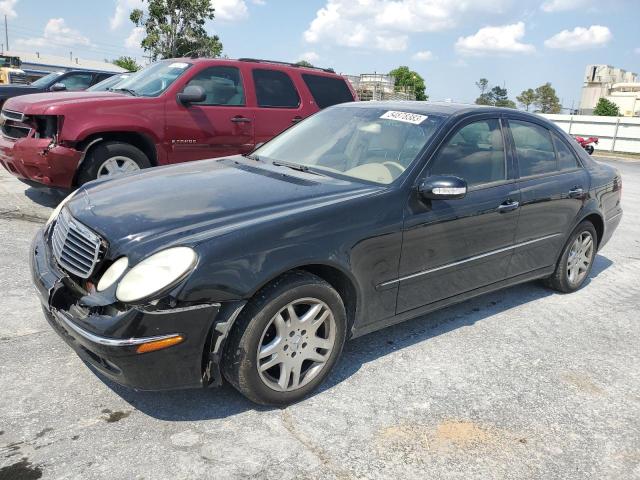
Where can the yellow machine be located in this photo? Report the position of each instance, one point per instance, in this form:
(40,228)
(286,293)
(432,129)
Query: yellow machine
(10,71)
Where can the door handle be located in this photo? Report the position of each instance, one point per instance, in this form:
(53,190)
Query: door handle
(240,119)
(508,206)
(296,119)
(576,192)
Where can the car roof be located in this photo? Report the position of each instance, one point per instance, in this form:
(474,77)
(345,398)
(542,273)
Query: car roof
(253,61)
(434,108)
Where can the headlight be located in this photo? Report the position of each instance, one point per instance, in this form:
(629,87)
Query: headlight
(58,209)
(155,273)
(113,273)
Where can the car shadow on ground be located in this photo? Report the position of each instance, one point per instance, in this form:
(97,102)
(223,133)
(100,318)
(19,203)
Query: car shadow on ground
(204,404)
(46,197)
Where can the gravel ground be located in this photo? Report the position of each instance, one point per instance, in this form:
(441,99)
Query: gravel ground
(523,383)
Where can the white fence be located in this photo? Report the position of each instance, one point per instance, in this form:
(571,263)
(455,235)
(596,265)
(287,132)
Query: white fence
(615,134)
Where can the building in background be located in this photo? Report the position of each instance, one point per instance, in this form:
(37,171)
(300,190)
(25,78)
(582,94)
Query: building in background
(615,84)
(37,65)
(377,86)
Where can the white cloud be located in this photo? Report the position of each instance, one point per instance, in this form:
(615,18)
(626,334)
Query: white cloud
(637,50)
(564,5)
(495,40)
(386,24)
(134,38)
(258,2)
(580,38)
(56,33)
(231,10)
(309,57)
(423,56)
(8,8)
(122,12)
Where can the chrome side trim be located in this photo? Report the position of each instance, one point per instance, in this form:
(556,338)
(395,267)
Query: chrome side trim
(109,342)
(470,259)
(614,217)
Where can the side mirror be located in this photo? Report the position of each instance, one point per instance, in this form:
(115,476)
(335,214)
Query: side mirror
(192,94)
(58,87)
(442,187)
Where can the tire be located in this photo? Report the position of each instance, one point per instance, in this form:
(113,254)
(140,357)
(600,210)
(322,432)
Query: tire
(94,165)
(256,328)
(561,279)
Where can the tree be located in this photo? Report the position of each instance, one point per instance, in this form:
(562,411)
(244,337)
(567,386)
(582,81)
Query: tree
(485,98)
(176,28)
(546,99)
(527,98)
(408,80)
(606,108)
(304,63)
(128,63)
(501,98)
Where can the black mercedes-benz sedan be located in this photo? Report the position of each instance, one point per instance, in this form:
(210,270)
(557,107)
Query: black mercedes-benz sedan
(257,268)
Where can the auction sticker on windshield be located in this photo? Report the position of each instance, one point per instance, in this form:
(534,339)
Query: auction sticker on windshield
(179,65)
(407,117)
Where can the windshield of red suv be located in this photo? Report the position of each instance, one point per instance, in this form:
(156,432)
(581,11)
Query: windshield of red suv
(372,144)
(154,79)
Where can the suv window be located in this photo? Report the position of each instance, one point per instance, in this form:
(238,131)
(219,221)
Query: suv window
(77,81)
(102,76)
(475,153)
(535,151)
(327,91)
(275,89)
(222,85)
(566,159)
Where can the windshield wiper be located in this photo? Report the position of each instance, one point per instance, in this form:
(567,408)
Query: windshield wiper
(293,166)
(128,90)
(252,156)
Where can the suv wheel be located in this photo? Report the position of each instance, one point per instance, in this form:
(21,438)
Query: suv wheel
(576,261)
(109,159)
(287,340)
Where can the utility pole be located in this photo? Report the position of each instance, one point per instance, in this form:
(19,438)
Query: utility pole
(6,32)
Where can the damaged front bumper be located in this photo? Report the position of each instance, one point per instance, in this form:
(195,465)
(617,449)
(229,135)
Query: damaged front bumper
(109,339)
(39,161)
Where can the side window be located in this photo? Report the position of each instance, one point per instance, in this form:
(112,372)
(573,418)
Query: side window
(222,85)
(101,76)
(475,153)
(77,81)
(566,159)
(327,91)
(275,89)
(534,148)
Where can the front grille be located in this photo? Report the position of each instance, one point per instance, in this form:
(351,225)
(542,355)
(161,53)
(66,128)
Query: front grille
(11,115)
(18,79)
(75,247)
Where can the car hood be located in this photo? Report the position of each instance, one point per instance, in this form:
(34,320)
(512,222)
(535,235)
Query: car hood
(52,102)
(194,202)
(8,91)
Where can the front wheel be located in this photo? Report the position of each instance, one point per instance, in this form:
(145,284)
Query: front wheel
(576,260)
(109,159)
(287,340)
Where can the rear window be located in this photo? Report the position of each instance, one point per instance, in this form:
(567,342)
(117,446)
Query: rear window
(327,91)
(274,89)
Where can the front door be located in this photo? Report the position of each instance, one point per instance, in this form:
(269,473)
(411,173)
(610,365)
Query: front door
(454,246)
(220,125)
(553,186)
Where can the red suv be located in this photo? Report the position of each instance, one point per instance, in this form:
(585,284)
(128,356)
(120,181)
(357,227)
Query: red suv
(172,111)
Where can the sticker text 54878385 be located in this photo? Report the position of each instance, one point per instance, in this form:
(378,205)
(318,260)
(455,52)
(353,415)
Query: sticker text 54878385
(407,117)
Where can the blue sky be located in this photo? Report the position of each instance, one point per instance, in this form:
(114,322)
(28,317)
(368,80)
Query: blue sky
(451,43)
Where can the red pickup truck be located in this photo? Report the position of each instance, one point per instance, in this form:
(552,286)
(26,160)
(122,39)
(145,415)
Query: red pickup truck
(172,111)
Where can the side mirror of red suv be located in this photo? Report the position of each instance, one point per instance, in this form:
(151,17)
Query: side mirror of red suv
(191,94)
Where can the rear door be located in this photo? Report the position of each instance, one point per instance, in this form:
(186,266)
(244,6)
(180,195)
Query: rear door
(220,125)
(278,103)
(453,246)
(553,186)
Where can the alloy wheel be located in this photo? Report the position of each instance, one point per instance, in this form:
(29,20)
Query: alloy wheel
(117,166)
(296,344)
(580,258)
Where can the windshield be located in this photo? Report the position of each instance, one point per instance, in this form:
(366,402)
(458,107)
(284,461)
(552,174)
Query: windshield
(372,144)
(154,79)
(46,80)
(108,83)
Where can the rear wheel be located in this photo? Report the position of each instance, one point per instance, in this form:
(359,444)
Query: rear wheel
(576,261)
(109,159)
(287,340)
